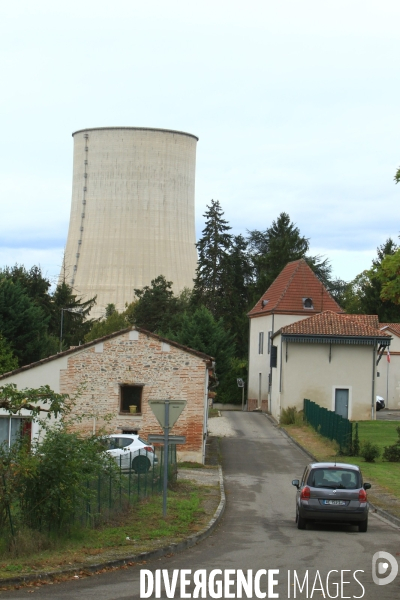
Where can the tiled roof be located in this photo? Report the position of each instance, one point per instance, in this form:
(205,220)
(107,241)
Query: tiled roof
(73,349)
(287,293)
(334,324)
(371,320)
(393,327)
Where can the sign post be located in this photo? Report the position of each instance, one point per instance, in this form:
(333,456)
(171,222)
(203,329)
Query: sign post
(167,412)
(240,384)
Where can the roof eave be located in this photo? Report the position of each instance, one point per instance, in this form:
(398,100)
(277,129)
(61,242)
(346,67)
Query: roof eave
(313,338)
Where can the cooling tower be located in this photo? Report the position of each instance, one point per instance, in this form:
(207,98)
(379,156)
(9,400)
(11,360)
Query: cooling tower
(132,212)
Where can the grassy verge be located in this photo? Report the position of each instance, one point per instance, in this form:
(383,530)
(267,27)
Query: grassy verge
(139,529)
(213,412)
(384,476)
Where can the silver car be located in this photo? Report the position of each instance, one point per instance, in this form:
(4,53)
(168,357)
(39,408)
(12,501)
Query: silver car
(330,491)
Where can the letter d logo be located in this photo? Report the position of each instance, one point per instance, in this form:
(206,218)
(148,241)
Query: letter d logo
(382,567)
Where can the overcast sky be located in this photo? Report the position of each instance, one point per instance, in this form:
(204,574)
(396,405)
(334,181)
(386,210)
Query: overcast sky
(296,105)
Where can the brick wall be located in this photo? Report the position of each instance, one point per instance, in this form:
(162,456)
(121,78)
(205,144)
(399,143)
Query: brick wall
(252,404)
(93,378)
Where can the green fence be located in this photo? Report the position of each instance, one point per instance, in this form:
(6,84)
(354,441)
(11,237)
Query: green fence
(330,425)
(104,496)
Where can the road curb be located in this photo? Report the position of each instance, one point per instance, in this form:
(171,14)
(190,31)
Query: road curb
(135,558)
(375,509)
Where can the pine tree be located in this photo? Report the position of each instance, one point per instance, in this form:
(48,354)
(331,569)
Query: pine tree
(76,321)
(213,251)
(202,332)
(156,305)
(22,322)
(8,361)
(273,248)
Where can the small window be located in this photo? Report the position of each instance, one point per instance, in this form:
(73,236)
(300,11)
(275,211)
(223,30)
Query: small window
(261,342)
(131,395)
(308,303)
(274,356)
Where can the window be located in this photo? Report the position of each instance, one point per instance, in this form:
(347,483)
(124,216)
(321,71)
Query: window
(13,427)
(274,356)
(261,342)
(308,303)
(131,395)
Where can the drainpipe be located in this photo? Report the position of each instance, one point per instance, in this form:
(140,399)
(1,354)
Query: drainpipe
(270,369)
(373,381)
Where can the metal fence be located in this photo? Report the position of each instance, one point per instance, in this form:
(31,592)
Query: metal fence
(330,425)
(109,494)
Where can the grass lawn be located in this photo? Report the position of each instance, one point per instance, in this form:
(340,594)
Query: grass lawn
(139,529)
(384,476)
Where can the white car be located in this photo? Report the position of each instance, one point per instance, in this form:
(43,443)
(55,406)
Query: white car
(130,452)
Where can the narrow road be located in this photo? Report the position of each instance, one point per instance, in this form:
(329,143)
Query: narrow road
(258,532)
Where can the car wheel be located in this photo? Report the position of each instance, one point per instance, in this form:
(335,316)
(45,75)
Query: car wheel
(141,464)
(363,526)
(301,522)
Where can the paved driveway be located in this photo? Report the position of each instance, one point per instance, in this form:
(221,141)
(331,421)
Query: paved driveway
(258,531)
(388,415)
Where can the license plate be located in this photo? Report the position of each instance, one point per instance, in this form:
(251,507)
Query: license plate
(335,502)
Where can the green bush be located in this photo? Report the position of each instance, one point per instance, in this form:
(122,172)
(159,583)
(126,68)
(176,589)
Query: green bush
(369,451)
(49,484)
(291,416)
(392,453)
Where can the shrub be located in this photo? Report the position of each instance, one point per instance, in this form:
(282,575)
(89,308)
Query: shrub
(392,453)
(290,416)
(369,451)
(52,483)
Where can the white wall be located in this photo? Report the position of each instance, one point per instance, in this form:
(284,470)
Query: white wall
(45,374)
(309,374)
(388,383)
(260,363)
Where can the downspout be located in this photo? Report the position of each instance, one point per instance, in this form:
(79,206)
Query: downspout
(205,419)
(373,381)
(270,369)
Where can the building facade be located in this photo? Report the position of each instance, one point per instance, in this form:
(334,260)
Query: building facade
(104,378)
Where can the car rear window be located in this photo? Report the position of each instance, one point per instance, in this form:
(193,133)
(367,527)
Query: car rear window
(334,478)
(113,443)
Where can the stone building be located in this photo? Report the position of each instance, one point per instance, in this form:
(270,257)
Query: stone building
(128,368)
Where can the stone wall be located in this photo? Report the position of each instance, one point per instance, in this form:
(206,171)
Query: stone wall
(95,375)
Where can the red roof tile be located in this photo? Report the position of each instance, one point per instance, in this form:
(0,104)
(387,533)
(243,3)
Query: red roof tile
(334,324)
(393,327)
(371,320)
(286,294)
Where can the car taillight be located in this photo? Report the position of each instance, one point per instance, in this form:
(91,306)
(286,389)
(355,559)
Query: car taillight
(362,496)
(148,448)
(305,493)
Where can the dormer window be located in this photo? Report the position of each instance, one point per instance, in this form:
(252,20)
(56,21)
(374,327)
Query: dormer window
(307,303)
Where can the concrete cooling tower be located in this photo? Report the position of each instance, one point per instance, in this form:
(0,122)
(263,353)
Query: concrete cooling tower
(132,213)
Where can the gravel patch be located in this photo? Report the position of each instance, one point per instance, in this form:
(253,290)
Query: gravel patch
(221,427)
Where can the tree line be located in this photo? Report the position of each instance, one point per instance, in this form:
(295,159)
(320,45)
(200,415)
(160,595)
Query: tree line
(233,272)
